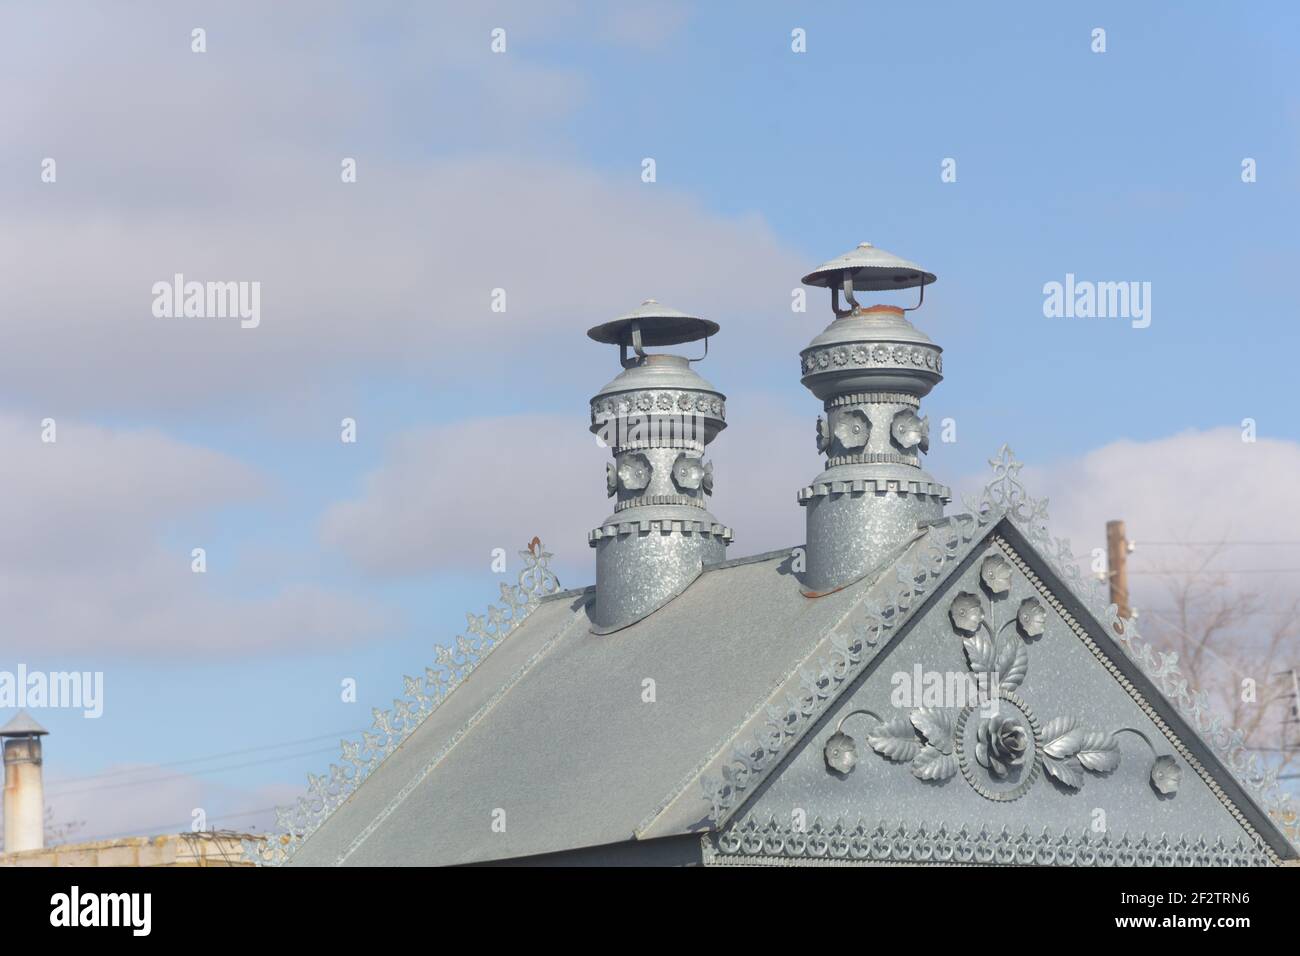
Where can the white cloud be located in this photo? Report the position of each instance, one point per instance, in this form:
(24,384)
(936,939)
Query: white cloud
(86,563)
(444,497)
(1196,486)
(389,276)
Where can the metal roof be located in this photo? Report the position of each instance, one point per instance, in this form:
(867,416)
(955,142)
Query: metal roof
(553,727)
(552,734)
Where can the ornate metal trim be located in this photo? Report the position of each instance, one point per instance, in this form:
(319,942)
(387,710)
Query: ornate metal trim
(846,843)
(421,697)
(659,402)
(830,357)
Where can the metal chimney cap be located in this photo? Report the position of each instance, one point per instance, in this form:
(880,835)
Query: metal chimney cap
(872,270)
(22,725)
(659,324)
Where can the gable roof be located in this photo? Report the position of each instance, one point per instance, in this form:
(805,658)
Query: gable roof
(550,725)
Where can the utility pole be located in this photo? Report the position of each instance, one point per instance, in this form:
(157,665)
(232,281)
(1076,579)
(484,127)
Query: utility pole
(1117,549)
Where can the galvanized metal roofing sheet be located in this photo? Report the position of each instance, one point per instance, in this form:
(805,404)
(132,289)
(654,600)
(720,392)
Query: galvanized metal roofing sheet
(553,730)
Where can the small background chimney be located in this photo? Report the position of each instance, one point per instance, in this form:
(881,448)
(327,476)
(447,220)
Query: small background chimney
(24,788)
(657,417)
(871,368)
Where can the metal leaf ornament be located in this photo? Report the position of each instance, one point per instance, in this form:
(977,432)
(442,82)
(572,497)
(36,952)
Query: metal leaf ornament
(935,761)
(611,479)
(1067,750)
(1007,662)
(895,740)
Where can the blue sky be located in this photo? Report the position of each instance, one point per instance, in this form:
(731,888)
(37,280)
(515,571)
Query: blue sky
(523,170)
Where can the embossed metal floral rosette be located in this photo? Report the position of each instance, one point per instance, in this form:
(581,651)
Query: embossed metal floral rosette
(999,747)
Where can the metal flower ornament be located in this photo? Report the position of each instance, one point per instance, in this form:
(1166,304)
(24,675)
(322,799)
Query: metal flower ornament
(688,472)
(851,428)
(1001,744)
(910,430)
(634,472)
(1004,749)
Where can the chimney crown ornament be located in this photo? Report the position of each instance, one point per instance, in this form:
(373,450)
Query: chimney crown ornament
(870,367)
(656,417)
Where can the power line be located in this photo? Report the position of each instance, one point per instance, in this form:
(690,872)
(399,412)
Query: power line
(1224,571)
(192,760)
(181,776)
(169,827)
(1225,544)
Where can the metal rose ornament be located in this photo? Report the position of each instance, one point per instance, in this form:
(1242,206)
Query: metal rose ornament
(1032,617)
(995,572)
(910,430)
(611,479)
(1000,744)
(1166,774)
(966,612)
(841,752)
(634,472)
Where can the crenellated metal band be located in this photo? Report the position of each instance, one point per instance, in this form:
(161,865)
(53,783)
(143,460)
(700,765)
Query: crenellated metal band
(876,486)
(660,526)
(648,500)
(872,398)
(875,458)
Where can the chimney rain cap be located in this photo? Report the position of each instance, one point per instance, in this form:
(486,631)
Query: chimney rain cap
(22,725)
(872,270)
(659,324)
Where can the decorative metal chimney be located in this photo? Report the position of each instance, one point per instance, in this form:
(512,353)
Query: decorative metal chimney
(24,788)
(656,418)
(871,368)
